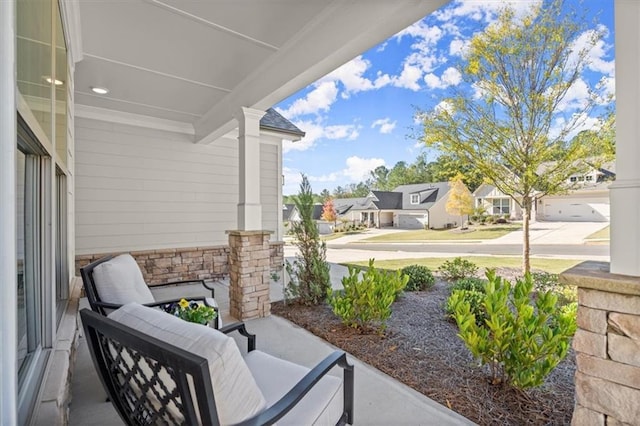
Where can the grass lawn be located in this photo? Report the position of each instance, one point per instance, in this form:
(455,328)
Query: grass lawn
(329,237)
(598,235)
(477,232)
(548,265)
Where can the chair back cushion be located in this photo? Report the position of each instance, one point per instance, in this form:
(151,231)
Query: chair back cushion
(237,396)
(120,281)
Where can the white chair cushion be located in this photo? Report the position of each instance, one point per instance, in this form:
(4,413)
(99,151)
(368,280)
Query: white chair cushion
(237,394)
(119,280)
(323,405)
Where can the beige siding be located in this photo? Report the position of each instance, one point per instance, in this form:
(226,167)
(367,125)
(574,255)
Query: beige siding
(139,188)
(438,216)
(269,182)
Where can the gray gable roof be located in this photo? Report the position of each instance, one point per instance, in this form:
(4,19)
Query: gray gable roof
(273,120)
(387,200)
(430,193)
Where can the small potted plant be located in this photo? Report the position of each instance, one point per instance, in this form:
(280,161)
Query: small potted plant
(191,311)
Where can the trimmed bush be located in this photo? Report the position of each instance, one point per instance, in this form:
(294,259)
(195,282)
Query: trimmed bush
(420,277)
(458,268)
(545,281)
(473,298)
(366,302)
(471,284)
(522,340)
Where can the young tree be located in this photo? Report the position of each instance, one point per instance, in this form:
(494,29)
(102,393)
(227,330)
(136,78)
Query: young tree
(510,122)
(460,200)
(309,272)
(325,195)
(328,211)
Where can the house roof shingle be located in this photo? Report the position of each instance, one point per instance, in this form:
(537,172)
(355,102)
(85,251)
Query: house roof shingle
(430,193)
(273,120)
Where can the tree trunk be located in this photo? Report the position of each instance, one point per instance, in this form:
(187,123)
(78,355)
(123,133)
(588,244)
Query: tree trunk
(526,264)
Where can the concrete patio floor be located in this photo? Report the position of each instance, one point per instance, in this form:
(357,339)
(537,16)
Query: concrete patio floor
(379,399)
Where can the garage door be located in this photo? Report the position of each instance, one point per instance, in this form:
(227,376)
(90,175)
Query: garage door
(406,221)
(577,210)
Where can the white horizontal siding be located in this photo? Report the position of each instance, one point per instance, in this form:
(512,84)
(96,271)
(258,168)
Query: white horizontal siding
(139,188)
(269,180)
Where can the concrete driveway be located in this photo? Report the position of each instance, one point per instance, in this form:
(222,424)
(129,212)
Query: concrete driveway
(553,233)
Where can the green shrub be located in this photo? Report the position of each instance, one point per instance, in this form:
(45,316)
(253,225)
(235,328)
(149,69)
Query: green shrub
(366,301)
(309,272)
(470,283)
(473,298)
(545,281)
(521,340)
(420,277)
(453,270)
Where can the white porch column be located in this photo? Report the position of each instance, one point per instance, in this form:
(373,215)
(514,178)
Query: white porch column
(249,206)
(8,144)
(625,191)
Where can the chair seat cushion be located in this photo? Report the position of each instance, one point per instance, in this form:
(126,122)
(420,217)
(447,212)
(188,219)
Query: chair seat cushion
(236,393)
(323,405)
(119,280)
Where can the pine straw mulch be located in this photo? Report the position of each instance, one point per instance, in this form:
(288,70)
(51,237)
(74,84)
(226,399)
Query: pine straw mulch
(421,348)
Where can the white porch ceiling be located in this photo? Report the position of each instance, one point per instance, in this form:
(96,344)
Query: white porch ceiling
(198,62)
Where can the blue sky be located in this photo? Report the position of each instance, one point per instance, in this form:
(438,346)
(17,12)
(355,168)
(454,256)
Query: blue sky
(361,115)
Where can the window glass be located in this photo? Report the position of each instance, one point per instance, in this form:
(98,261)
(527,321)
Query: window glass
(61,90)
(28,244)
(34,65)
(501,206)
(415,198)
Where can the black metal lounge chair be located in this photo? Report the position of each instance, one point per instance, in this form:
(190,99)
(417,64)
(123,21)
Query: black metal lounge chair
(168,371)
(122,281)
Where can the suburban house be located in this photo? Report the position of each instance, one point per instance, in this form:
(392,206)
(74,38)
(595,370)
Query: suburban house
(140,127)
(586,199)
(415,206)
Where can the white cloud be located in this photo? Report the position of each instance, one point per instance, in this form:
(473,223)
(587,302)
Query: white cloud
(408,78)
(577,96)
(458,47)
(423,33)
(292,179)
(352,77)
(314,130)
(450,77)
(443,106)
(482,10)
(596,51)
(343,131)
(358,169)
(385,124)
(319,99)
(577,124)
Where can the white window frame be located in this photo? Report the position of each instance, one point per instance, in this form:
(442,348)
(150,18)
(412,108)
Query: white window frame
(503,206)
(415,198)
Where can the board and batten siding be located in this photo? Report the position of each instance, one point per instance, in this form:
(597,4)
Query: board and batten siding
(139,188)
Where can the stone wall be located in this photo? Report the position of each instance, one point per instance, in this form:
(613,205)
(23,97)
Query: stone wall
(166,265)
(249,270)
(607,346)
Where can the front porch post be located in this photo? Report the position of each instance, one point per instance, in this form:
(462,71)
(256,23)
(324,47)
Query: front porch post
(607,342)
(625,191)
(249,205)
(8,146)
(249,256)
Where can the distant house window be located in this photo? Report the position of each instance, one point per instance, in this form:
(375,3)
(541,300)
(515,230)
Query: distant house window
(415,198)
(573,178)
(479,202)
(501,206)
(589,177)
(581,178)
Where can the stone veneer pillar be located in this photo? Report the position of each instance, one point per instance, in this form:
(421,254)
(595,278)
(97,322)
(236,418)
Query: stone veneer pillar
(249,273)
(607,346)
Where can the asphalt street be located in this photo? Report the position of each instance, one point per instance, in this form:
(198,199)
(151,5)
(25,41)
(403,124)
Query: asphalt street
(477,248)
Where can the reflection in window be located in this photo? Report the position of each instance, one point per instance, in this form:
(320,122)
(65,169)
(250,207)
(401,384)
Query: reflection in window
(501,206)
(28,248)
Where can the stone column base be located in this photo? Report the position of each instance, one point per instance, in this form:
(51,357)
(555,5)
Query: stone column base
(607,345)
(249,273)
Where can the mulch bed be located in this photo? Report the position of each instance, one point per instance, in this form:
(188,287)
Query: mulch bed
(420,348)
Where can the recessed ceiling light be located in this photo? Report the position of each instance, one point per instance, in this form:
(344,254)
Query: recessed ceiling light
(56,81)
(100,90)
